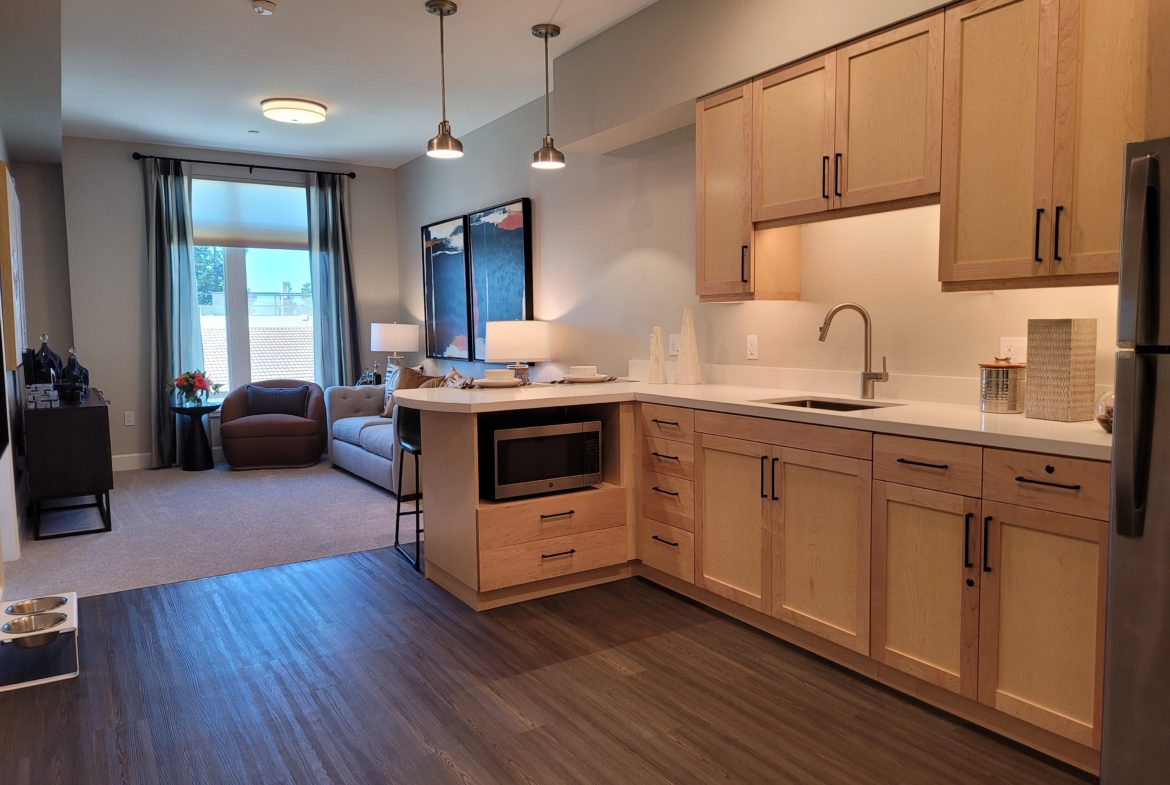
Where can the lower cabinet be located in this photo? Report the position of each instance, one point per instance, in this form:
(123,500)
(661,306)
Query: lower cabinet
(1041,619)
(926,585)
(667,548)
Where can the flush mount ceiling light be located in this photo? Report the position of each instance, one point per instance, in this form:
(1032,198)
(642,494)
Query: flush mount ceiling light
(264,7)
(443,144)
(293,110)
(547,157)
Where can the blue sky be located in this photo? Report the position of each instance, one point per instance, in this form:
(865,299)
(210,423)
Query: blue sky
(267,268)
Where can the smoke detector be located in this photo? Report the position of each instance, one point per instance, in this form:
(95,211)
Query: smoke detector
(264,7)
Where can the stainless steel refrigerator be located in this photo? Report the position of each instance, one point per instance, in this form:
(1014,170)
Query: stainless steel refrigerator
(1136,732)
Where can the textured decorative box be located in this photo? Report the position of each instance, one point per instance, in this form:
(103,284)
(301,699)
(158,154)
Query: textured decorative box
(1062,369)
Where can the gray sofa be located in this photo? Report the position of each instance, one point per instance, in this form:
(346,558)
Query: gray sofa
(361,440)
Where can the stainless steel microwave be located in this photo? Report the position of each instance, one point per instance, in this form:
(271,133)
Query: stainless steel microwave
(545,458)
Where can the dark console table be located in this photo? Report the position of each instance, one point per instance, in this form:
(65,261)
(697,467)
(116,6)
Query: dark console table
(68,456)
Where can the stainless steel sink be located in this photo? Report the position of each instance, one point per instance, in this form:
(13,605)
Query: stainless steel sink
(828,404)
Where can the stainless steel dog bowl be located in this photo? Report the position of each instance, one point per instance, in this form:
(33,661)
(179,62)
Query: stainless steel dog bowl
(40,623)
(35,605)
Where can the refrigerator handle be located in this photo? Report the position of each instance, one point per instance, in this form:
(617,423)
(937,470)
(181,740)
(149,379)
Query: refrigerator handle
(1131,445)
(1135,247)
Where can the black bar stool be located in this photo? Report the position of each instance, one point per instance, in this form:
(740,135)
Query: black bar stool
(409,425)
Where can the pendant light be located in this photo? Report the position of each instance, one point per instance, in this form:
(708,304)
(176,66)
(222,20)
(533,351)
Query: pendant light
(547,157)
(443,145)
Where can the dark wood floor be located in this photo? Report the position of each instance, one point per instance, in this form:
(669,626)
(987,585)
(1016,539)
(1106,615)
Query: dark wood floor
(356,670)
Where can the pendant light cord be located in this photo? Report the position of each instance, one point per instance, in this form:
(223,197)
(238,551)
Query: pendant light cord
(547,124)
(443,67)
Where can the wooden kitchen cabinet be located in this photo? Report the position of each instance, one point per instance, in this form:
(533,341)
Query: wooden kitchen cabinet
(732,536)
(820,525)
(1041,625)
(926,584)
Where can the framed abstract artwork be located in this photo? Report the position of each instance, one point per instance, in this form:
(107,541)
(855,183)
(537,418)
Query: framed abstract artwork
(445,289)
(500,263)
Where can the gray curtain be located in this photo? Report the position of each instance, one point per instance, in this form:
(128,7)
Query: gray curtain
(175,339)
(337,353)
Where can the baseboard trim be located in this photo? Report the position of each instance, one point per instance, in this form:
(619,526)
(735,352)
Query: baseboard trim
(131,461)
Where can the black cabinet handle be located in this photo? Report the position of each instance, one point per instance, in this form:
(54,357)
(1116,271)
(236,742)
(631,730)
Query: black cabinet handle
(763,463)
(824,177)
(1056,257)
(837,174)
(668,493)
(665,422)
(967,540)
(565,514)
(664,542)
(743,249)
(1047,484)
(909,462)
(986,543)
(558,554)
(665,457)
(1036,257)
(774,496)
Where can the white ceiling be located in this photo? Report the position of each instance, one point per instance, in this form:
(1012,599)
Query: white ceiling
(193,72)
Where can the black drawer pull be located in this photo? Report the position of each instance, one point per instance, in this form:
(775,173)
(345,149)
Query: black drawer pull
(1046,483)
(967,541)
(665,457)
(763,463)
(909,462)
(837,174)
(565,514)
(986,543)
(664,422)
(1056,257)
(668,493)
(558,554)
(1036,257)
(664,542)
(743,249)
(824,177)
(775,497)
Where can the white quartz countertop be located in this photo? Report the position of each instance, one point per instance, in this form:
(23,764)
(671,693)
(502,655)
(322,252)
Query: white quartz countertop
(943,421)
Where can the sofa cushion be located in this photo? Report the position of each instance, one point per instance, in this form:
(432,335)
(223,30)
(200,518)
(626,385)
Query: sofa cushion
(277,400)
(261,425)
(349,429)
(379,441)
(399,378)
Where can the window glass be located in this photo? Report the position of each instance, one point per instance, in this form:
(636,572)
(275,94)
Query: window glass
(280,314)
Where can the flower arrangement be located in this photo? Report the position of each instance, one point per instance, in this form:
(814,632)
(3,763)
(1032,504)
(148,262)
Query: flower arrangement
(194,386)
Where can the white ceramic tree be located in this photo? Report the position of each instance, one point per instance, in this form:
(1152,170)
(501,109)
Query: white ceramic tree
(688,371)
(657,358)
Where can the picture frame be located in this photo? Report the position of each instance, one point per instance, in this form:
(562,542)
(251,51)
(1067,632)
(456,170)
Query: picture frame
(499,240)
(446,289)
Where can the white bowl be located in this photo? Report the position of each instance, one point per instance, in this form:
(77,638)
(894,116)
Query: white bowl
(582,371)
(499,374)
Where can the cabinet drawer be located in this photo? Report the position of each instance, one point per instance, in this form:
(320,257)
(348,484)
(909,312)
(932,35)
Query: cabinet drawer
(1047,482)
(668,457)
(802,436)
(667,548)
(530,520)
(668,500)
(941,466)
(668,422)
(526,562)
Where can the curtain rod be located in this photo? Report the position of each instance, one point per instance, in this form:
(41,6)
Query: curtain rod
(249,167)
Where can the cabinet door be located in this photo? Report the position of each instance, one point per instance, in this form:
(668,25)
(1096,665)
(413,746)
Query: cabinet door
(731,519)
(792,136)
(999,109)
(889,114)
(1041,619)
(1102,80)
(820,545)
(925,585)
(723,160)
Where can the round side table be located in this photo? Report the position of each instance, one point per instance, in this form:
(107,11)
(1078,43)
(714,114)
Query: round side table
(195,455)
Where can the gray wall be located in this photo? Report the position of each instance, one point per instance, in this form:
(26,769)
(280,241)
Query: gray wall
(46,253)
(107,264)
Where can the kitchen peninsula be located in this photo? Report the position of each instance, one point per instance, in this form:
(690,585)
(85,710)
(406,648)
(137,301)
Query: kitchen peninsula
(956,556)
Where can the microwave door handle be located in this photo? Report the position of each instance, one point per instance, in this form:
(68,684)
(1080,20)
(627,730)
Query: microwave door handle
(1141,185)
(1132,433)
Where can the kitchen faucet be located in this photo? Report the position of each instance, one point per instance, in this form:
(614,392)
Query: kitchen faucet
(869,375)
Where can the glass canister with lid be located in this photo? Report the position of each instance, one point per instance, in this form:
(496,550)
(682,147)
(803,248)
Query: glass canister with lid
(1001,386)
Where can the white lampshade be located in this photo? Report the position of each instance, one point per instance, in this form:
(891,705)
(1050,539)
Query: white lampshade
(393,337)
(519,341)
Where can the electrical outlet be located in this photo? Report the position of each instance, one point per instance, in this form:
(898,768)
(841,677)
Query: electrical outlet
(675,338)
(1016,348)
(753,347)
(129,418)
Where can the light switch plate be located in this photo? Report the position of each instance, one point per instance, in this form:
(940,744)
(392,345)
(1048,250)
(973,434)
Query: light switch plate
(753,347)
(1016,348)
(675,338)
(128,418)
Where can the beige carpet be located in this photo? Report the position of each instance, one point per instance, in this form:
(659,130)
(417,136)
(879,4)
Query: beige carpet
(171,525)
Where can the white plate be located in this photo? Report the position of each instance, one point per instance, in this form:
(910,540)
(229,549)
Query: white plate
(497,382)
(600,377)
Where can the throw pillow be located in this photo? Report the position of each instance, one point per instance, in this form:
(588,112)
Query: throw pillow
(277,400)
(403,379)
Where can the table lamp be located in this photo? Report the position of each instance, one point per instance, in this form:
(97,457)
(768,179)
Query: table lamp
(393,338)
(517,343)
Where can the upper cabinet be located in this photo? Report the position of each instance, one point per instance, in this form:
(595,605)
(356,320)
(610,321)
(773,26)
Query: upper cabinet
(723,156)
(1040,96)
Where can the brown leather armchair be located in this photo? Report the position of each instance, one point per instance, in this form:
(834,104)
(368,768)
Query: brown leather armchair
(265,441)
